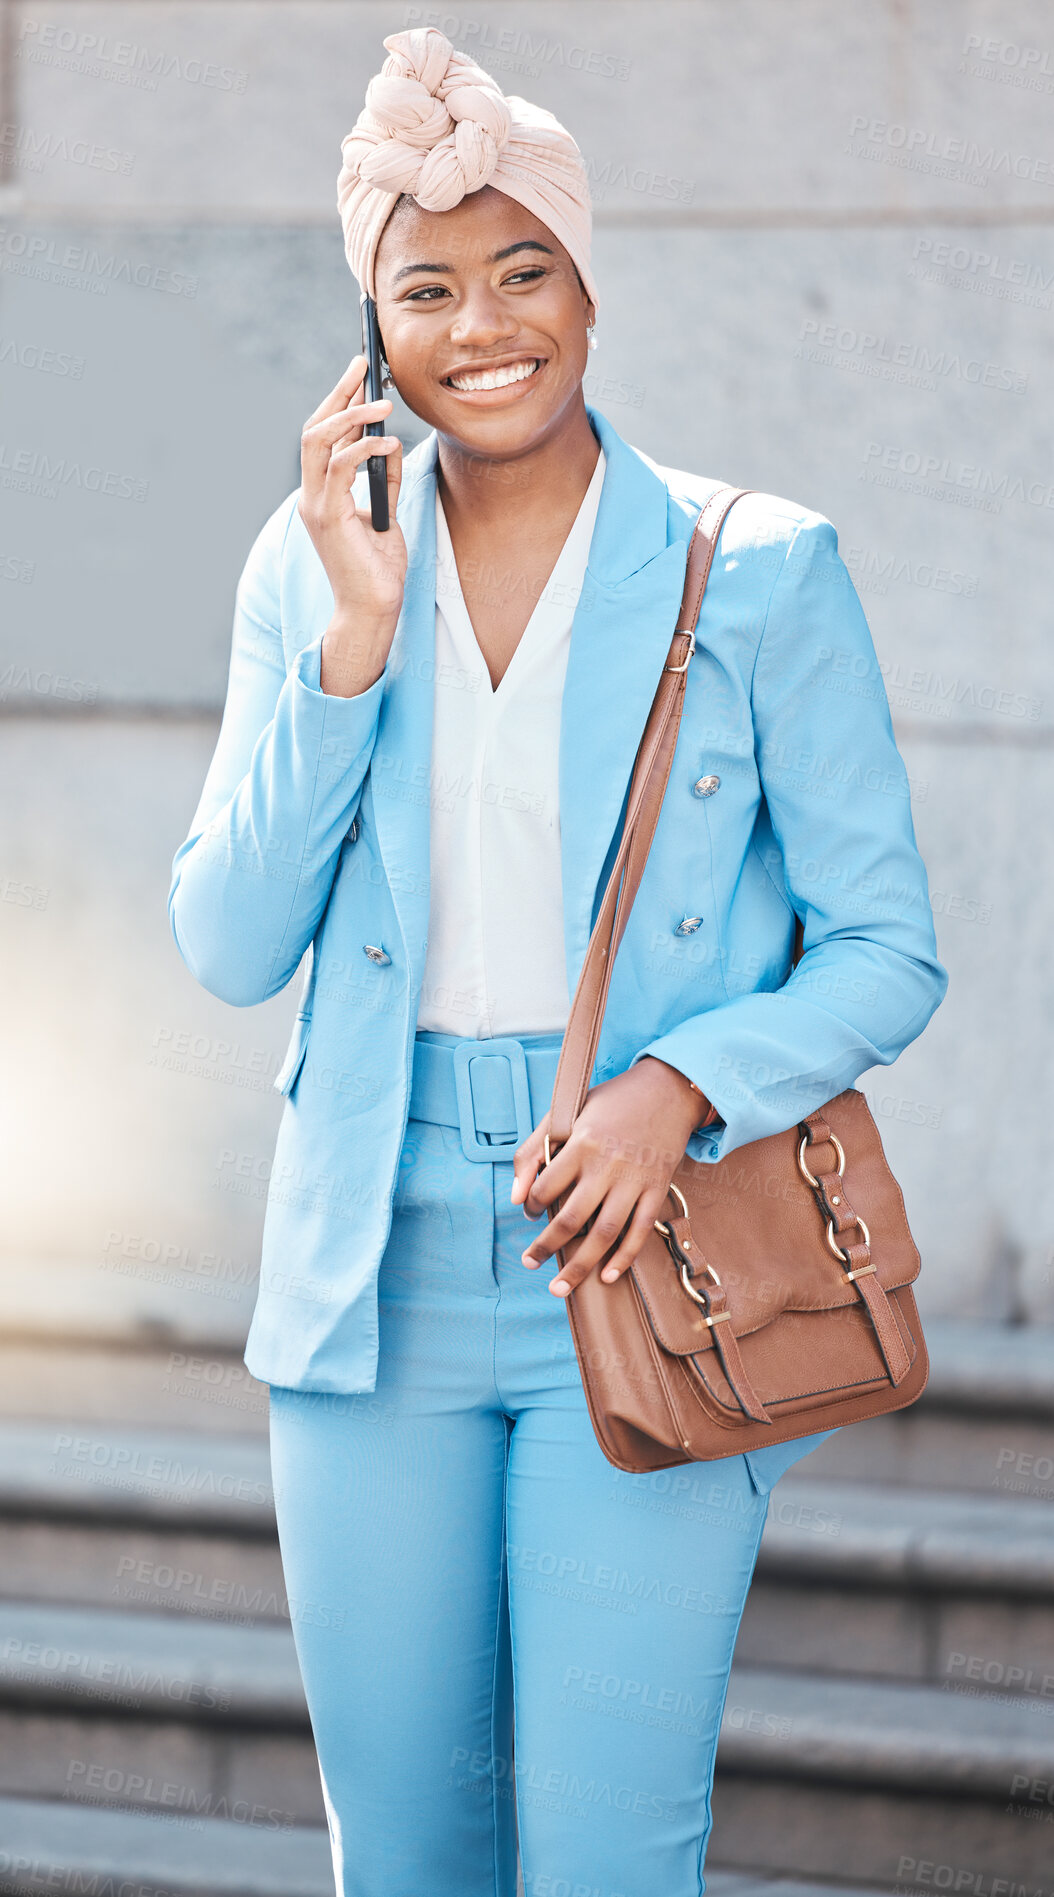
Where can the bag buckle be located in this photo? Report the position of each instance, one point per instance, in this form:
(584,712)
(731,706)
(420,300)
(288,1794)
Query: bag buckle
(679,1259)
(500,1048)
(683,667)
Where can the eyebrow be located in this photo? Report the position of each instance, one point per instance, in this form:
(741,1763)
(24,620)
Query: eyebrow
(529,243)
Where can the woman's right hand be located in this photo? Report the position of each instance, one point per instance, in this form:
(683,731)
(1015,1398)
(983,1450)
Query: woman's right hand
(366,570)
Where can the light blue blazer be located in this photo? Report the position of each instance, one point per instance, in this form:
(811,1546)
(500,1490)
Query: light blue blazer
(312,837)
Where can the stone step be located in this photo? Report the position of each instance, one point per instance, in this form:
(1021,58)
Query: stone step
(141,1384)
(135,1298)
(95,1471)
(51,1847)
(983,1423)
(201,1717)
(87,1471)
(777,1722)
(821,1778)
(136,1292)
(157,1666)
(48,1847)
(951,1589)
(906,1788)
(877,1534)
(954,1590)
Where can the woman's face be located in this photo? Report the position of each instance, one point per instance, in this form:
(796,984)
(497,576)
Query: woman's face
(483,289)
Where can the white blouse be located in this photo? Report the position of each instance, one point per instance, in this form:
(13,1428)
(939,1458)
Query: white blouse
(495,960)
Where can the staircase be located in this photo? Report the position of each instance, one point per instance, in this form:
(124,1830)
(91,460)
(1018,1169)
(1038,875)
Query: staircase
(889,1725)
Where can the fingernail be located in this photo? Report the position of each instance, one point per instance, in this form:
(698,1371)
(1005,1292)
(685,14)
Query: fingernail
(560,1287)
(609,1274)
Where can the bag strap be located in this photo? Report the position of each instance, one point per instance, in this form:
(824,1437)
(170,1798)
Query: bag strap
(651,772)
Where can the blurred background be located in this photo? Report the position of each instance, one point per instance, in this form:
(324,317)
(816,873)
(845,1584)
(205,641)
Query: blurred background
(824,236)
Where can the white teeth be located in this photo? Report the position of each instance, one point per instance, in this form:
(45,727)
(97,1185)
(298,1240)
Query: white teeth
(495,378)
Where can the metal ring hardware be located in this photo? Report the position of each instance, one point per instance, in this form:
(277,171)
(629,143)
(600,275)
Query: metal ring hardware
(684,1207)
(863,1270)
(833,1140)
(722,1317)
(685,1245)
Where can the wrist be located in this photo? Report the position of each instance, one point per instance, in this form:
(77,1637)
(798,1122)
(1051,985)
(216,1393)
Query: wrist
(699,1108)
(352,626)
(353,656)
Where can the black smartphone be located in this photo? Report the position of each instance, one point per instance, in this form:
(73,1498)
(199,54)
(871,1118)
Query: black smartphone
(376,463)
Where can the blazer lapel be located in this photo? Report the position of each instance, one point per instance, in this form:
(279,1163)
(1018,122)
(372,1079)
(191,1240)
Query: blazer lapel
(620,637)
(401,769)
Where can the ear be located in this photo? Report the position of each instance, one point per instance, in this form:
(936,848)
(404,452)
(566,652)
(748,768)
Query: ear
(590,312)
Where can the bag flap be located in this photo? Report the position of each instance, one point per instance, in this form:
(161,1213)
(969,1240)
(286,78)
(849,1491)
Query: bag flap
(757,1222)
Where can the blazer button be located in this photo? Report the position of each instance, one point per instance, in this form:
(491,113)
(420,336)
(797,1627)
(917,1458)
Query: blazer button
(377,955)
(705,786)
(353,831)
(688,925)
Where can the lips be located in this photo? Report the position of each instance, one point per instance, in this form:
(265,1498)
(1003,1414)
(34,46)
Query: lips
(497,376)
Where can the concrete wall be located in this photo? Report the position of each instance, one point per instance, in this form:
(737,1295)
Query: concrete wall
(850,213)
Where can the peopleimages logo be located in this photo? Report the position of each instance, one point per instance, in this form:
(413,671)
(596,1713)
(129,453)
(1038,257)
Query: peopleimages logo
(967,259)
(46,43)
(916,148)
(839,345)
(1028,67)
(947,479)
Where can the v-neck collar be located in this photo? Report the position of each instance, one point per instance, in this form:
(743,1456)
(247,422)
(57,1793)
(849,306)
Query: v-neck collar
(573,554)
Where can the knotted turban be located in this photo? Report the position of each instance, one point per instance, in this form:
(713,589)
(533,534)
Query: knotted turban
(437,127)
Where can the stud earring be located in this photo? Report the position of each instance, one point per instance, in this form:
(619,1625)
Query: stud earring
(591,341)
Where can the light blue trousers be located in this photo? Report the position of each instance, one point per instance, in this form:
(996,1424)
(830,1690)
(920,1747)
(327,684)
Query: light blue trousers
(465,1567)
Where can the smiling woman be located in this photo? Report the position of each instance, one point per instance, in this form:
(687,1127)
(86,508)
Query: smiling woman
(420,783)
(487,343)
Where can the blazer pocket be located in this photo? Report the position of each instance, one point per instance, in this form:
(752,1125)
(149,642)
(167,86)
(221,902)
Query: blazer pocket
(294,1060)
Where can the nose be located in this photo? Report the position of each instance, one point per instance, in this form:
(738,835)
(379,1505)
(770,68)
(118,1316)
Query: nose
(483,318)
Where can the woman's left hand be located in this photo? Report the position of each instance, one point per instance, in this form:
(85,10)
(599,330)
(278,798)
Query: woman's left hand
(604,1167)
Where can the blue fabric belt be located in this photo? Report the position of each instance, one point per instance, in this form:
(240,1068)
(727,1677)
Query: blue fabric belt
(494,1091)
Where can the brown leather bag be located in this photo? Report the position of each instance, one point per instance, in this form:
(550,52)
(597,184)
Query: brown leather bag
(775,1298)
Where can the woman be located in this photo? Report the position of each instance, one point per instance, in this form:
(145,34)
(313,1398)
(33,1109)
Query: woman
(420,780)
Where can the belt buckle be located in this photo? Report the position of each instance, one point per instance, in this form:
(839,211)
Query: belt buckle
(512,1050)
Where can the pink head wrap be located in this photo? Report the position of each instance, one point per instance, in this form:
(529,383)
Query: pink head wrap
(436,126)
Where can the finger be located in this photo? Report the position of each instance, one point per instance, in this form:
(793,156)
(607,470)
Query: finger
(346,462)
(394,472)
(315,447)
(555,1178)
(613,1215)
(568,1222)
(318,447)
(526,1161)
(637,1232)
(350,388)
(348,424)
